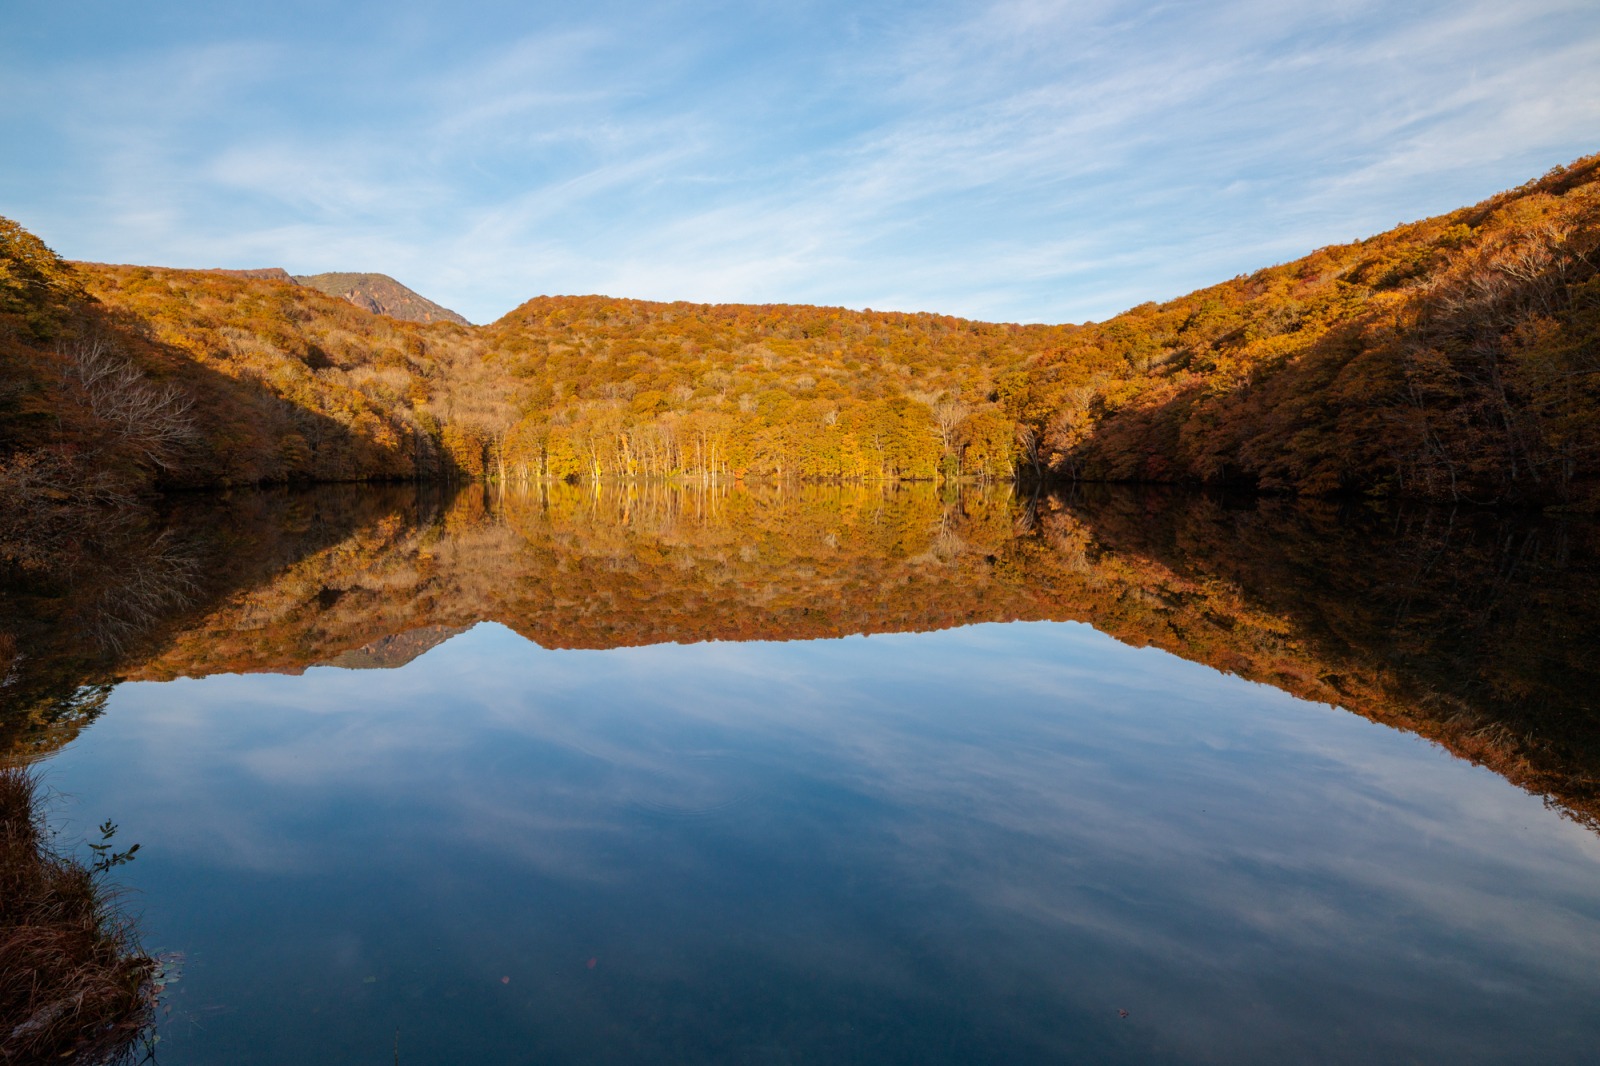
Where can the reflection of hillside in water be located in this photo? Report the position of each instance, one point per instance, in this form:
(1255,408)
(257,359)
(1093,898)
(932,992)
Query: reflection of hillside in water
(109,595)
(1475,630)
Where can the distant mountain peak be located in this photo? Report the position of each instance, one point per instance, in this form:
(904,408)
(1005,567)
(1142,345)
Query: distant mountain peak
(269,273)
(380,294)
(396,650)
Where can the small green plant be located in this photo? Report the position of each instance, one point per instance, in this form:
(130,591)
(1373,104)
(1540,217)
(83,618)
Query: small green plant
(105,856)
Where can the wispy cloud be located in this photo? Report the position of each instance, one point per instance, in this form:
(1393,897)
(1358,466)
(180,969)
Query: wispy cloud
(1023,159)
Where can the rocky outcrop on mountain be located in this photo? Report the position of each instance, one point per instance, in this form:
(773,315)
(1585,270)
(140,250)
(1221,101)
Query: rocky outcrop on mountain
(382,295)
(390,652)
(266,273)
(377,293)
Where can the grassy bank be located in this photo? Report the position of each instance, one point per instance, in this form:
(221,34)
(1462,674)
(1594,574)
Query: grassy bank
(75,987)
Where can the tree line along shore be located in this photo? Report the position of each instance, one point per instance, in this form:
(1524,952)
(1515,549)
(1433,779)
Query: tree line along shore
(1456,358)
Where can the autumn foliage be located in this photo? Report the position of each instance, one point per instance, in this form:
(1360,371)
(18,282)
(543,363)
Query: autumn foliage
(625,388)
(1455,358)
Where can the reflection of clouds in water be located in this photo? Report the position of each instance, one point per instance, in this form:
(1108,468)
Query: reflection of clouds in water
(1110,730)
(1036,785)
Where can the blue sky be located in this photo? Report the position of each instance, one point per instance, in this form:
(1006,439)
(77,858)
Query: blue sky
(1027,161)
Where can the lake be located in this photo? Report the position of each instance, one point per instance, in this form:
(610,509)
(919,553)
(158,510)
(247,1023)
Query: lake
(835,774)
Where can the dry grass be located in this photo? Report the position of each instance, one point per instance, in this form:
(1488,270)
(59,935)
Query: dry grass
(75,988)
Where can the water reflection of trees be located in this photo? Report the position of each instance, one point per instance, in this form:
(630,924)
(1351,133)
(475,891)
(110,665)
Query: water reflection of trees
(1473,629)
(108,595)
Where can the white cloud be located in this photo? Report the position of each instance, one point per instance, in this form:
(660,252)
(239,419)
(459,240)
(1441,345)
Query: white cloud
(1031,160)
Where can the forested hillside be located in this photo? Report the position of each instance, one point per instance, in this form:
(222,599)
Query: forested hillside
(118,380)
(1455,358)
(628,388)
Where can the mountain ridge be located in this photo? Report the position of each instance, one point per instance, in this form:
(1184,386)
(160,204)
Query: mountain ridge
(1455,358)
(380,294)
(377,293)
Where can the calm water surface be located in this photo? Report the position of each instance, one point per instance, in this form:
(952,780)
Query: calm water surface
(990,780)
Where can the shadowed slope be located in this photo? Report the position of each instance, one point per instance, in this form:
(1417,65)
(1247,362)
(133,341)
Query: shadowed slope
(1455,358)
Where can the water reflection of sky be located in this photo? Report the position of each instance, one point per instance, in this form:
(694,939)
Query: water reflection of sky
(971,846)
